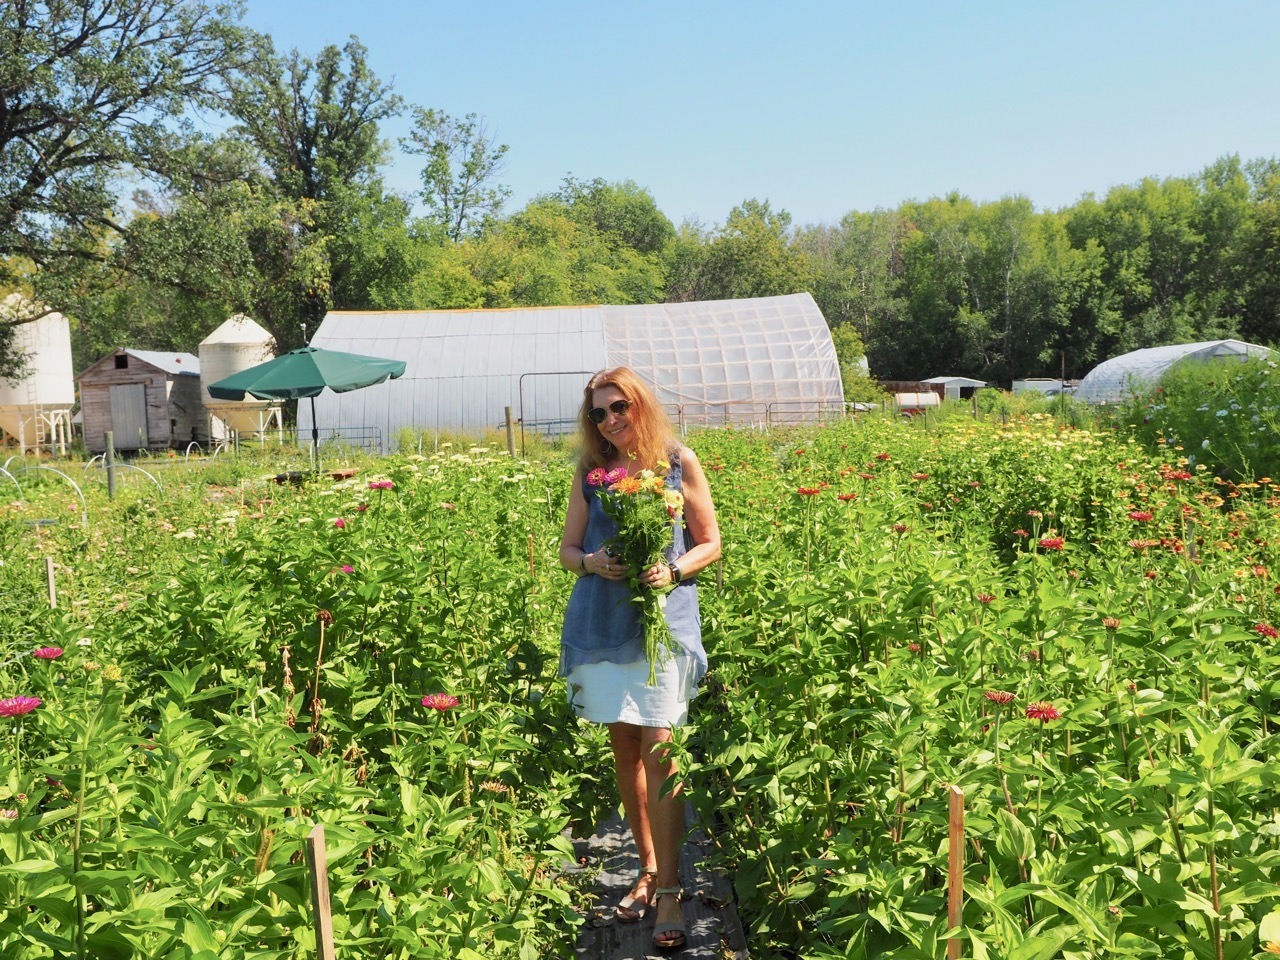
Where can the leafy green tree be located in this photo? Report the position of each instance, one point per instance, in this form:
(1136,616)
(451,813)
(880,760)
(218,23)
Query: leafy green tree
(462,165)
(752,255)
(90,92)
(623,211)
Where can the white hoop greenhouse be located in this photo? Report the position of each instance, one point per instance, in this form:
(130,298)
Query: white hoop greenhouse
(1114,379)
(763,360)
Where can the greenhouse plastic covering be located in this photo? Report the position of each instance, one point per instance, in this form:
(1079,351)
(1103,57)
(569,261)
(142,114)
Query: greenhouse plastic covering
(759,360)
(1114,379)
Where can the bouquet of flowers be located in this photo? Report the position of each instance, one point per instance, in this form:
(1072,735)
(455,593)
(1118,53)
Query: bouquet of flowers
(643,508)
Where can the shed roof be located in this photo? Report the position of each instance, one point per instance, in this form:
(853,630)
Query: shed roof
(180,364)
(1111,380)
(956,381)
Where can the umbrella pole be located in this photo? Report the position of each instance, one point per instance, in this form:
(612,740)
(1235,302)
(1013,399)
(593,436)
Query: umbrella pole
(315,437)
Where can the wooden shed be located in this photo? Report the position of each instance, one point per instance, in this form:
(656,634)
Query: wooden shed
(148,399)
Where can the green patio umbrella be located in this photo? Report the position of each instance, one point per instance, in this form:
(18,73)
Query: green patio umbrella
(305,372)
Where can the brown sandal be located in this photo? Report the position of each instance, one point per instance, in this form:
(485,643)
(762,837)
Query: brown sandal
(632,908)
(681,932)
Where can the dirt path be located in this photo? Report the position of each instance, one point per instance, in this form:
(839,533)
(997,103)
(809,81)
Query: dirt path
(715,931)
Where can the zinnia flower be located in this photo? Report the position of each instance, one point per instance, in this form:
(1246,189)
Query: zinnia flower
(1267,630)
(1052,543)
(1111,623)
(919,476)
(986,599)
(1043,711)
(440,701)
(899,528)
(846,497)
(614,475)
(913,647)
(1021,533)
(47,653)
(999,696)
(1142,516)
(883,456)
(347,568)
(17,706)
(1034,513)
(339,523)
(596,478)
(808,491)
(9,814)
(382,484)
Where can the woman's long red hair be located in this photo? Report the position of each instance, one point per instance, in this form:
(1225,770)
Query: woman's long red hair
(655,435)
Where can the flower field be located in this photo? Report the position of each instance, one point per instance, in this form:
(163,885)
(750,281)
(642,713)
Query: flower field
(1079,636)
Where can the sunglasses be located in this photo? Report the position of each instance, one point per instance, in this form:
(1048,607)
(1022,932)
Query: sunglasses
(598,414)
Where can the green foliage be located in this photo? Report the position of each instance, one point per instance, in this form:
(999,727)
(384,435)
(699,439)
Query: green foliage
(459,179)
(1224,414)
(878,580)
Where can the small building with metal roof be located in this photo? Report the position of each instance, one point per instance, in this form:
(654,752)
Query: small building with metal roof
(147,399)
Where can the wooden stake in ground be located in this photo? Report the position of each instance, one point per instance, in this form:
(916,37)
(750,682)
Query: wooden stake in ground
(955,868)
(319,867)
(53,593)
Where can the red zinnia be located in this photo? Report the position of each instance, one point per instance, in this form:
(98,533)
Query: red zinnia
(47,653)
(846,497)
(985,599)
(999,696)
(867,476)
(883,456)
(1267,630)
(1043,711)
(440,701)
(1052,543)
(17,706)
(1142,516)
(899,528)
(913,647)
(808,491)
(919,476)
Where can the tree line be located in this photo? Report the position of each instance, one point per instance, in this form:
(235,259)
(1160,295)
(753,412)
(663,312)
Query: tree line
(147,229)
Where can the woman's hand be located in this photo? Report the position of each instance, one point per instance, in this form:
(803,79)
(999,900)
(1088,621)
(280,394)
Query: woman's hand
(603,565)
(657,577)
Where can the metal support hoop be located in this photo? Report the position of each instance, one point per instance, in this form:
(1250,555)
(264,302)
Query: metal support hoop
(84,506)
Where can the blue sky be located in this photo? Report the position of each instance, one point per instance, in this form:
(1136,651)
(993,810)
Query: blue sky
(824,107)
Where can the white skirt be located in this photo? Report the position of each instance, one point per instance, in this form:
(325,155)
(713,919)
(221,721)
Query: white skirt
(619,692)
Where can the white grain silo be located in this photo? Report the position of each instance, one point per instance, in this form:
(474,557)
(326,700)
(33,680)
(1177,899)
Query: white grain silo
(237,345)
(36,410)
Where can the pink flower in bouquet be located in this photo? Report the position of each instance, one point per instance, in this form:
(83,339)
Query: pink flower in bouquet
(596,478)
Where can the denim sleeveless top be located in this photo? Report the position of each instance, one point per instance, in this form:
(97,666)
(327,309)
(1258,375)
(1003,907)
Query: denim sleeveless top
(601,623)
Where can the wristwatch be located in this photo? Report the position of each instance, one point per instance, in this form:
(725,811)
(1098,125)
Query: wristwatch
(675,571)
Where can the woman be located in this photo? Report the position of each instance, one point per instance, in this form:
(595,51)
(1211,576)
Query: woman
(602,645)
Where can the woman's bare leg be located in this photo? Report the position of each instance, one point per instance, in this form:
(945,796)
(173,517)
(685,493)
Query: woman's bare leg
(666,815)
(628,763)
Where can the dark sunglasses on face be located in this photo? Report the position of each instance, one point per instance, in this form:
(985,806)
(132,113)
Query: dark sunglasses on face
(598,414)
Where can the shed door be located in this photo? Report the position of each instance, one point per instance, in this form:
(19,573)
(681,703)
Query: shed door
(129,416)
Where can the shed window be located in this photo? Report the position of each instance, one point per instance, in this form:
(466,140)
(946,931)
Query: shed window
(122,361)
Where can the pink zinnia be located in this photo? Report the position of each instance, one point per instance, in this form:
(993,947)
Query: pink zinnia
(1267,630)
(1043,711)
(614,475)
(382,484)
(1021,533)
(339,523)
(999,696)
(1034,513)
(17,706)
(9,814)
(47,653)
(348,568)
(1052,543)
(596,478)
(440,701)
